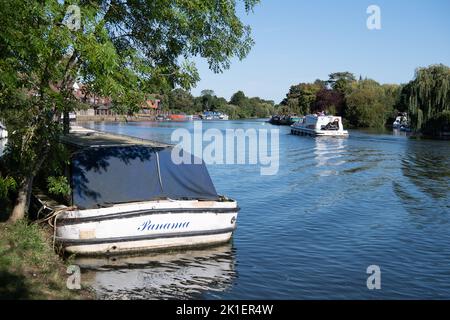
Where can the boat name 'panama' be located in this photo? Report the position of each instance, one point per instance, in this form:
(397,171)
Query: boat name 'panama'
(148,225)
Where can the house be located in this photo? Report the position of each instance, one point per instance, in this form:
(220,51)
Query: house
(97,106)
(150,107)
(102,106)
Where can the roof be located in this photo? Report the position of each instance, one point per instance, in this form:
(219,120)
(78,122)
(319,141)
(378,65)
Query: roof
(151,103)
(106,176)
(87,138)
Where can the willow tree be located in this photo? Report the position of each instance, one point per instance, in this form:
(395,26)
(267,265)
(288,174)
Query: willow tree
(429,94)
(116,48)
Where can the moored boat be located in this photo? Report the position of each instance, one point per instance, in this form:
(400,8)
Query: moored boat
(3,131)
(129,196)
(214,115)
(401,122)
(284,120)
(319,125)
(178,117)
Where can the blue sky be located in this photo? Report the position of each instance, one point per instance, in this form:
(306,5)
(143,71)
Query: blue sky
(300,41)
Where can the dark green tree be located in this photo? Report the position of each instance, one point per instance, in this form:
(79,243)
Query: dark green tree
(341,81)
(181,100)
(238,99)
(429,95)
(368,105)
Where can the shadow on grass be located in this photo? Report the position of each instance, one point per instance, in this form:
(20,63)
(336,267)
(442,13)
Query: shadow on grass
(13,287)
(3,216)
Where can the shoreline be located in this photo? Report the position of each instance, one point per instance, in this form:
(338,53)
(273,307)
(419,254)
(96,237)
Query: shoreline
(30,269)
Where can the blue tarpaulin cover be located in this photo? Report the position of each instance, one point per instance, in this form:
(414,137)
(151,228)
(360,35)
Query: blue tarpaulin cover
(108,175)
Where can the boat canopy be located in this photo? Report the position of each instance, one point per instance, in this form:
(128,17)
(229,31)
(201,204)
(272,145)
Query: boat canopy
(103,176)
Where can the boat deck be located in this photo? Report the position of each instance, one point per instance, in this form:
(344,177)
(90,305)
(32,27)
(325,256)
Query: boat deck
(87,138)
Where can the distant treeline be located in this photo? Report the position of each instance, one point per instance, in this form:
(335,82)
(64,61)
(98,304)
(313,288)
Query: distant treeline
(240,106)
(365,103)
(362,102)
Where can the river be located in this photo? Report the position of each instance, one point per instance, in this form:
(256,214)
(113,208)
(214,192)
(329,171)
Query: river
(335,207)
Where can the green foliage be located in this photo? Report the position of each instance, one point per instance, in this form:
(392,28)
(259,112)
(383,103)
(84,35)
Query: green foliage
(181,100)
(239,107)
(7,185)
(300,97)
(29,268)
(341,81)
(58,186)
(238,99)
(245,107)
(124,50)
(429,96)
(369,104)
(363,103)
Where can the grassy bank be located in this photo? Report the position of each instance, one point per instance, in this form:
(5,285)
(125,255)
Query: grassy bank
(29,267)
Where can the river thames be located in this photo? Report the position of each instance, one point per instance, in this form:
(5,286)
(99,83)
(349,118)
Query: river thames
(335,207)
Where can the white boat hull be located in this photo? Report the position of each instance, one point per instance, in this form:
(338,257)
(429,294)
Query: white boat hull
(313,132)
(146,226)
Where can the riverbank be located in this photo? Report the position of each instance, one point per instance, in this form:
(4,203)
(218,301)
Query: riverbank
(30,268)
(115,118)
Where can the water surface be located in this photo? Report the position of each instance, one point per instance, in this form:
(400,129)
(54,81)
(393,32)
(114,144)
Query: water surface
(335,207)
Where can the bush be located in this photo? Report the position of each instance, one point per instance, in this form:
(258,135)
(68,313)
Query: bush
(7,188)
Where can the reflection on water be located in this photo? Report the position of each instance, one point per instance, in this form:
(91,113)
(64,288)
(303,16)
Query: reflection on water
(310,232)
(427,165)
(173,275)
(328,153)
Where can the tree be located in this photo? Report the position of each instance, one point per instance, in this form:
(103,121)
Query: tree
(207,92)
(120,49)
(402,104)
(367,105)
(181,100)
(341,81)
(238,99)
(300,97)
(329,100)
(429,95)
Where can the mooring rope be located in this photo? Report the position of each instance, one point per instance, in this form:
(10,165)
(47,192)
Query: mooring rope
(53,215)
(159,171)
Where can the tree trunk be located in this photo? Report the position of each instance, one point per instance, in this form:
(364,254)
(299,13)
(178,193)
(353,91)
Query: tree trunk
(66,122)
(22,201)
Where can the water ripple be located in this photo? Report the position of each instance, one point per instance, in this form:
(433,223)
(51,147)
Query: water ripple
(335,207)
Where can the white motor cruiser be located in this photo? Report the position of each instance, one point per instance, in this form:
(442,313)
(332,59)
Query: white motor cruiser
(318,125)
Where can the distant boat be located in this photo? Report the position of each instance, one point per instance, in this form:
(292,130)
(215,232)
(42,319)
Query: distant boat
(213,115)
(401,122)
(161,118)
(3,131)
(318,125)
(274,120)
(284,120)
(177,117)
(128,196)
(293,119)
